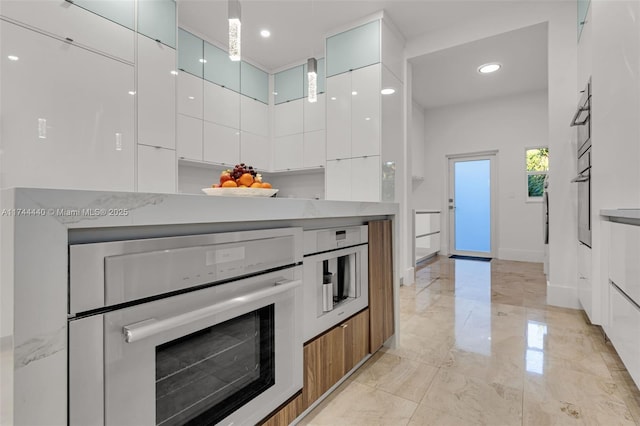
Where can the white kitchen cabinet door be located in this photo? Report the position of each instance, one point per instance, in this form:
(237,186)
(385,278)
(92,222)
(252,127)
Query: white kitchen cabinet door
(365,179)
(624,331)
(156,94)
(190,95)
(288,118)
(156,169)
(585,291)
(254,116)
(365,111)
(314,149)
(221,105)
(255,151)
(339,116)
(338,180)
(287,152)
(67,115)
(221,144)
(66,20)
(314,114)
(189,140)
(624,256)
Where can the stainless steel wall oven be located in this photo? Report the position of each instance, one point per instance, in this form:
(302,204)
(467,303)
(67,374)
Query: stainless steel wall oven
(582,121)
(196,330)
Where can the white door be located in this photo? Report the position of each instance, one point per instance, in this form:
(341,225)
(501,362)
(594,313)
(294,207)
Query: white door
(471,206)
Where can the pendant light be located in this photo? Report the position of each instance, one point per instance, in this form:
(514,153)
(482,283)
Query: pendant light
(234,29)
(312,78)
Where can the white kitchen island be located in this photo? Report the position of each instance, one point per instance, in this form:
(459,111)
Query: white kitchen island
(38,225)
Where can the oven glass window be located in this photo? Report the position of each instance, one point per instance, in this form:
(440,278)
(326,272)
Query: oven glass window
(205,376)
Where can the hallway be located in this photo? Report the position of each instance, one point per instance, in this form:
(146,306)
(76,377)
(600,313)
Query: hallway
(479,346)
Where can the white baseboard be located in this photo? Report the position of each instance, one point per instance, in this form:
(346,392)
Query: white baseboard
(409,276)
(521,255)
(563,296)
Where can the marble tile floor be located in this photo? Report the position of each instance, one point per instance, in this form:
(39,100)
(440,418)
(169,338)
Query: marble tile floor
(479,346)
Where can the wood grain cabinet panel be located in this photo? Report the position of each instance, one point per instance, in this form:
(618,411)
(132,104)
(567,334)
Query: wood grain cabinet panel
(380,282)
(323,364)
(356,340)
(286,414)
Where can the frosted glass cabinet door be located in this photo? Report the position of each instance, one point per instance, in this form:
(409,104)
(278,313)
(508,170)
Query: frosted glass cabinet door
(338,180)
(67,116)
(365,111)
(156,94)
(219,69)
(288,85)
(254,82)
(221,105)
(190,53)
(121,11)
(157,20)
(339,116)
(156,169)
(353,49)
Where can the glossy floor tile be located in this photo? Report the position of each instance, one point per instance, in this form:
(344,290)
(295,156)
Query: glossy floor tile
(479,346)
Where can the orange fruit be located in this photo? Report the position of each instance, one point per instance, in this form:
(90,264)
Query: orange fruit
(242,186)
(229,184)
(256,185)
(266,185)
(246,179)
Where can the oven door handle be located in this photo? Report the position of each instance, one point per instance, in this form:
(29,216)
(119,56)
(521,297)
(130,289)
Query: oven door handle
(143,329)
(580,178)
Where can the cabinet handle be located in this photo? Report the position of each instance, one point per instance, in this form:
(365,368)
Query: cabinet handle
(69,39)
(344,325)
(158,40)
(69,1)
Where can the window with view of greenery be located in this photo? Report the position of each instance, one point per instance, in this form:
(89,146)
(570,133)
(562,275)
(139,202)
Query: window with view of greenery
(537,169)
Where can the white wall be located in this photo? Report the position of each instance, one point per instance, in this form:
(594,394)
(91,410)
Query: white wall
(507,125)
(417,143)
(561,19)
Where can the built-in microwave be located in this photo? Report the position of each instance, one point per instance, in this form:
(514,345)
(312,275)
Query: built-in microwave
(335,278)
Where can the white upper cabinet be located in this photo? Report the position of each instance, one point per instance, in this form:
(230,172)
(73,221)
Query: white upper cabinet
(314,149)
(353,49)
(254,116)
(190,53)
(255,151)
(80,26)
(314,114)
(156,169)
(338,180)
(189,139)
(254,82)
(68,116)
(365,178)
(287,152)
(156,93)
(288,85)
(219,69)
(221,144)
(156,20)
(339,116)
(365,111)
(288,118)
(190,94)
(221,105)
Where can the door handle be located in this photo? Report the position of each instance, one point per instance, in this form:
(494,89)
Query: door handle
(143,329)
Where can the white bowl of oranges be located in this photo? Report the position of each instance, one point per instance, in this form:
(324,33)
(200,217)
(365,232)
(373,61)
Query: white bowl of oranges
(242,181)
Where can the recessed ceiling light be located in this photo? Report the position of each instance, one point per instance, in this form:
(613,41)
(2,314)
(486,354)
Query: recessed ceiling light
(265,33)
(489,68)
(13,57)
(388,91)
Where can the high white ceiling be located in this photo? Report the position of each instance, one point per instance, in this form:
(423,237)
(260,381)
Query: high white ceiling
(298,29)
(450,76)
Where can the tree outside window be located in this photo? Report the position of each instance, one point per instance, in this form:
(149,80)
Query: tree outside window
(537,169)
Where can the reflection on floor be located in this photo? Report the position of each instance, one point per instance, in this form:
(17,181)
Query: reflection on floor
(479,346)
